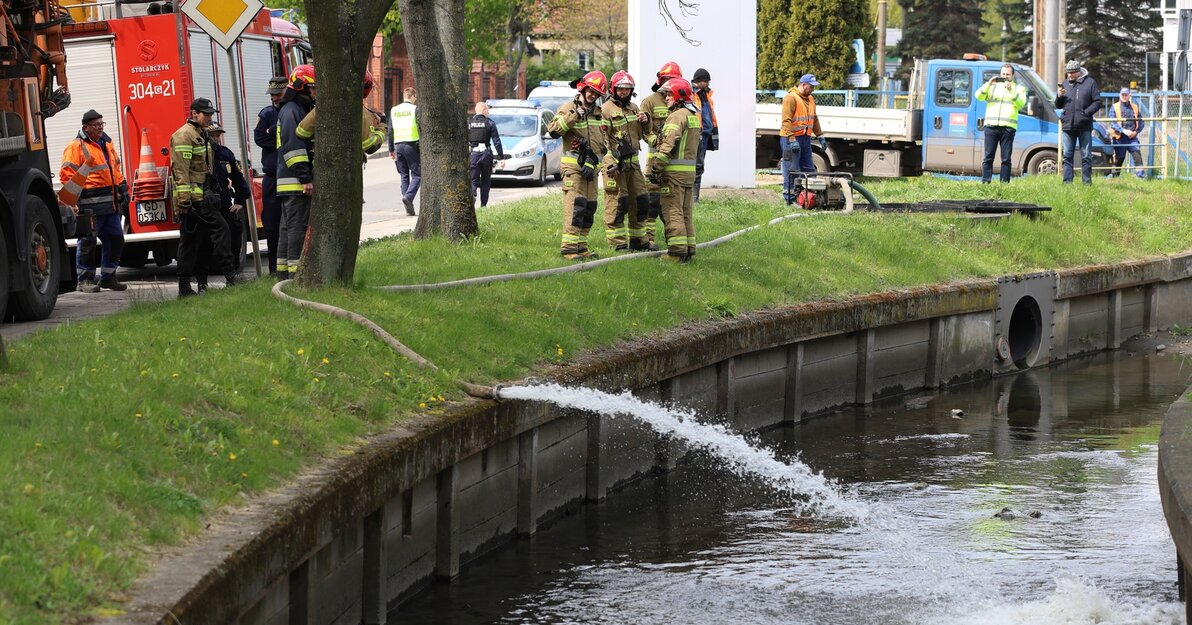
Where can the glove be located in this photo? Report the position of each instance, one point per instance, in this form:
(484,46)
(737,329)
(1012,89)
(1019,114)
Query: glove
(714,142)
(652,178)
(792,147)
(823,143)
(182,207)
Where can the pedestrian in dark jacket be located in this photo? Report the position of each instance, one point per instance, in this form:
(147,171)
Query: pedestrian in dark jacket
(1079,96)
(265,136)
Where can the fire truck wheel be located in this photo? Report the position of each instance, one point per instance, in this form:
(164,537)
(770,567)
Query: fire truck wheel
(37,300)
(4,269)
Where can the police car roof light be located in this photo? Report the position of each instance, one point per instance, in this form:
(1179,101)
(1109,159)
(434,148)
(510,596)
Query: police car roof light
(554,83)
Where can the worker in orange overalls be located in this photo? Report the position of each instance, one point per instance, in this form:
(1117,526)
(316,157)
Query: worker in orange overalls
(93,186)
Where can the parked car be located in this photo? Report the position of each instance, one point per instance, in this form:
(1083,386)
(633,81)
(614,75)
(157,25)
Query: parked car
(533,154)
(551,94)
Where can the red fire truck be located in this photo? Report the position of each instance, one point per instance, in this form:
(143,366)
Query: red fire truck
(141,72)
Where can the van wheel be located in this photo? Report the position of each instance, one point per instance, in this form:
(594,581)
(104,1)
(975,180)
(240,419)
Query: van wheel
(1043,162)
(37,300)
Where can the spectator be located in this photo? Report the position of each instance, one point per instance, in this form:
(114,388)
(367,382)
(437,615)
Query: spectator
(1079,96)
(196,197)
(709,138)
(1124,129)
(1003,98)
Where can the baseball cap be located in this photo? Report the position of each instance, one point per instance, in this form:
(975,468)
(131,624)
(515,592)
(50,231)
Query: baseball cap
(277,85)
(809,79)
(1125,91)
(214,128)
(203,105)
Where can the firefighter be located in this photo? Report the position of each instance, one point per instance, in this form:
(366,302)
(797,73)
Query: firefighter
(482,131)
(623,181)
(673,169)
(583,131)
(265,136)
(196,197)
(295,171)
(403,146)
(655,106)
(233,196)
(93,186)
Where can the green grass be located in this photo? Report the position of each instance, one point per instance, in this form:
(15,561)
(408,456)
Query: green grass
(119,436)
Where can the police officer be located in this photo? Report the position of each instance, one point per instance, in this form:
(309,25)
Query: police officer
(265,136)
(582,128)
(482,131)
(196,197)
(673,169)
(233,196)
(403,146)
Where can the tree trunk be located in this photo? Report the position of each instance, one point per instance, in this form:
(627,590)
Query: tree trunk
(343,33)
(435,38)
(516,31)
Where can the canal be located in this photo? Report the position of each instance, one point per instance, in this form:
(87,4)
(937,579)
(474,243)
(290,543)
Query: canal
(1070,450)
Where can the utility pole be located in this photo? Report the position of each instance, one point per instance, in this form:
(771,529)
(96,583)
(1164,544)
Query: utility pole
(881,44)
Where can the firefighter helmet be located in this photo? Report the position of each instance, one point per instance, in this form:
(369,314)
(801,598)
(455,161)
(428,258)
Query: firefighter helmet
(594,80)
(680,89)
(622,79)
(302,76)
(669,70)
(368,83)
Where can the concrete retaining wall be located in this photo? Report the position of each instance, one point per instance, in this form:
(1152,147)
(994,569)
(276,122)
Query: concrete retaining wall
(367,532)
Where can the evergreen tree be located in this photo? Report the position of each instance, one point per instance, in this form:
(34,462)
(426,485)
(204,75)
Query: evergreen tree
(1111,38)
(1017,17)
(939,29)
(796,37)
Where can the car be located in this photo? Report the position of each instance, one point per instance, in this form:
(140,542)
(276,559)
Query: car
(533,153)
(551,94)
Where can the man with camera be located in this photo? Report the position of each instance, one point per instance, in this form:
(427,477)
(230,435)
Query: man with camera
(1003,98)
(582,128)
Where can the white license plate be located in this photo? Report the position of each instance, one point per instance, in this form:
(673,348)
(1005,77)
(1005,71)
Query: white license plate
(151,212)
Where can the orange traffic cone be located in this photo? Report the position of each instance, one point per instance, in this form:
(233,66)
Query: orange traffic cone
(148,184)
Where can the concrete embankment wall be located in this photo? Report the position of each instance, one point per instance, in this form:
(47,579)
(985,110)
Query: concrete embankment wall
(362,534)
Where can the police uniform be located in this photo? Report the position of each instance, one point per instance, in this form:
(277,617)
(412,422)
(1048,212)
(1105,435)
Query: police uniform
(197,199)
(481,132)
(403,146)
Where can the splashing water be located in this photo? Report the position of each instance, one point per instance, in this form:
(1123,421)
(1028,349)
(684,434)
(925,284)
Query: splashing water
(823,496)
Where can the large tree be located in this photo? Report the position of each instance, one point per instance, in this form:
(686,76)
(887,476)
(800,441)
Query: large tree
(342,34)
(939,29)
(796,37)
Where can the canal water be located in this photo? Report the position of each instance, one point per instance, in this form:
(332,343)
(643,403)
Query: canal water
(709,543)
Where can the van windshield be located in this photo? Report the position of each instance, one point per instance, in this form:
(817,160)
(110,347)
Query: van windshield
(551,102)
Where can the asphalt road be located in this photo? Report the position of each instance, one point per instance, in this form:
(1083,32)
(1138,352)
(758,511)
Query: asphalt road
(383,215)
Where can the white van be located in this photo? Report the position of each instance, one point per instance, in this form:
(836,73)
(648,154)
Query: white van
(551,94)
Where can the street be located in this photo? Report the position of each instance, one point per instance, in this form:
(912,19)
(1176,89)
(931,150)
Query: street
(383,216)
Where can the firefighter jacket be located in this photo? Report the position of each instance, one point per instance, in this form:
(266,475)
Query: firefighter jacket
(372,129)
(265,136)
(655,106)
(227,170)
(798,115)
(709,127)
(1081,100)
(91,176)
(404,123)
(623,130)
(190,163)
(1120,122)
(576,131)
(1003,101)
(678,146)
(294,152)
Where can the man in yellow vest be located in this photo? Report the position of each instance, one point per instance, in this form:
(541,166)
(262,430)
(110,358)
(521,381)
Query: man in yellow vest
(93,186)
(1124,129)
(403,147)
(1003,99)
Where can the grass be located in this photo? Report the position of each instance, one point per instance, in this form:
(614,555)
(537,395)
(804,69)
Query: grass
(121,435)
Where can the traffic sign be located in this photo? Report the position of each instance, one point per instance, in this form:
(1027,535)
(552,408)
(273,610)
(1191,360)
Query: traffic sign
(224,20)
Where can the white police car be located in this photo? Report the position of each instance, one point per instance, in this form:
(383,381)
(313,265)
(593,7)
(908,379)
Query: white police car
(533,154)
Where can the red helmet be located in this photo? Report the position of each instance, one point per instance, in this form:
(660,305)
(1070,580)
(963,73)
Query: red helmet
(669,70)
(368,83)
(622,79)
(680,88)
(302,76)
(594,80)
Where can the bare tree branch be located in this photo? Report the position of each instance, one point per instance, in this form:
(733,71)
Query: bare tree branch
(687,8)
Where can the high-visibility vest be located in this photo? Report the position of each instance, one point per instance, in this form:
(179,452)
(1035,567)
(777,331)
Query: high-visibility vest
(1117,117)
(1003,101)
(83,168)
(403,123)
(801,119)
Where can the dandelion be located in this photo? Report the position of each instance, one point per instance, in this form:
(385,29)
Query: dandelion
(316,380)
(28,489)
(231,456)
(276,442)
(144,372)
(422,405)
(441,398)
(326,361)
(301,351)
(37,445)
(174,375)
(243,475)
(93,369)
(137,415)
(388,375)
(182,339)
(559,350)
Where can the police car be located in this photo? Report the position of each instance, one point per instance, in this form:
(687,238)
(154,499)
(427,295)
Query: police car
(533,154)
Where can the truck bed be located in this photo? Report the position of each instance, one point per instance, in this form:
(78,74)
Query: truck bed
(849,122)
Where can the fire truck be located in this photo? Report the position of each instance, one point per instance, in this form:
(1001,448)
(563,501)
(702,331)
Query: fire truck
(140,68)
(33,256)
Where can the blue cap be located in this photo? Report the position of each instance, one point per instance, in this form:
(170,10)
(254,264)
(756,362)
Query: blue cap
(1125,91)
(809,79)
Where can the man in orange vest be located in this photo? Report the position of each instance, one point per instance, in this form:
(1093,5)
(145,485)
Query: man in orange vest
(93,186)
(709,137)
(1124,129)
(799,124)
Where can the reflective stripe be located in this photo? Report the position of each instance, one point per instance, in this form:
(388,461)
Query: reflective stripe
(73,188)
(303,133)
(574,238)
(680,168)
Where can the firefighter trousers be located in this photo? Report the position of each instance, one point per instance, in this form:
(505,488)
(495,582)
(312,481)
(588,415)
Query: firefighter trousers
(625,204)
(579,211)
(678,201)
(655,202)
(203,225)
(295,215)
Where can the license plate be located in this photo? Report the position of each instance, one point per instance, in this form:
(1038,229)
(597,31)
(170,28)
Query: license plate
(151,212)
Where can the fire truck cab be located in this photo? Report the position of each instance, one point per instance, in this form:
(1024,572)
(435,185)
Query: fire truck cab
(141,71)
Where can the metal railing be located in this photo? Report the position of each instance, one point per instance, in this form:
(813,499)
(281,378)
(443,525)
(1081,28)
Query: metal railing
(844,97)
(1165,142)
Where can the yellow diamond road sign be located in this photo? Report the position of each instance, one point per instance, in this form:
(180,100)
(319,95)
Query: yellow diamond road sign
(224,20)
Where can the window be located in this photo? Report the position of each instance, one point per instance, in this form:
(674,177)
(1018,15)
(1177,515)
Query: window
(584,59)
(953,87)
